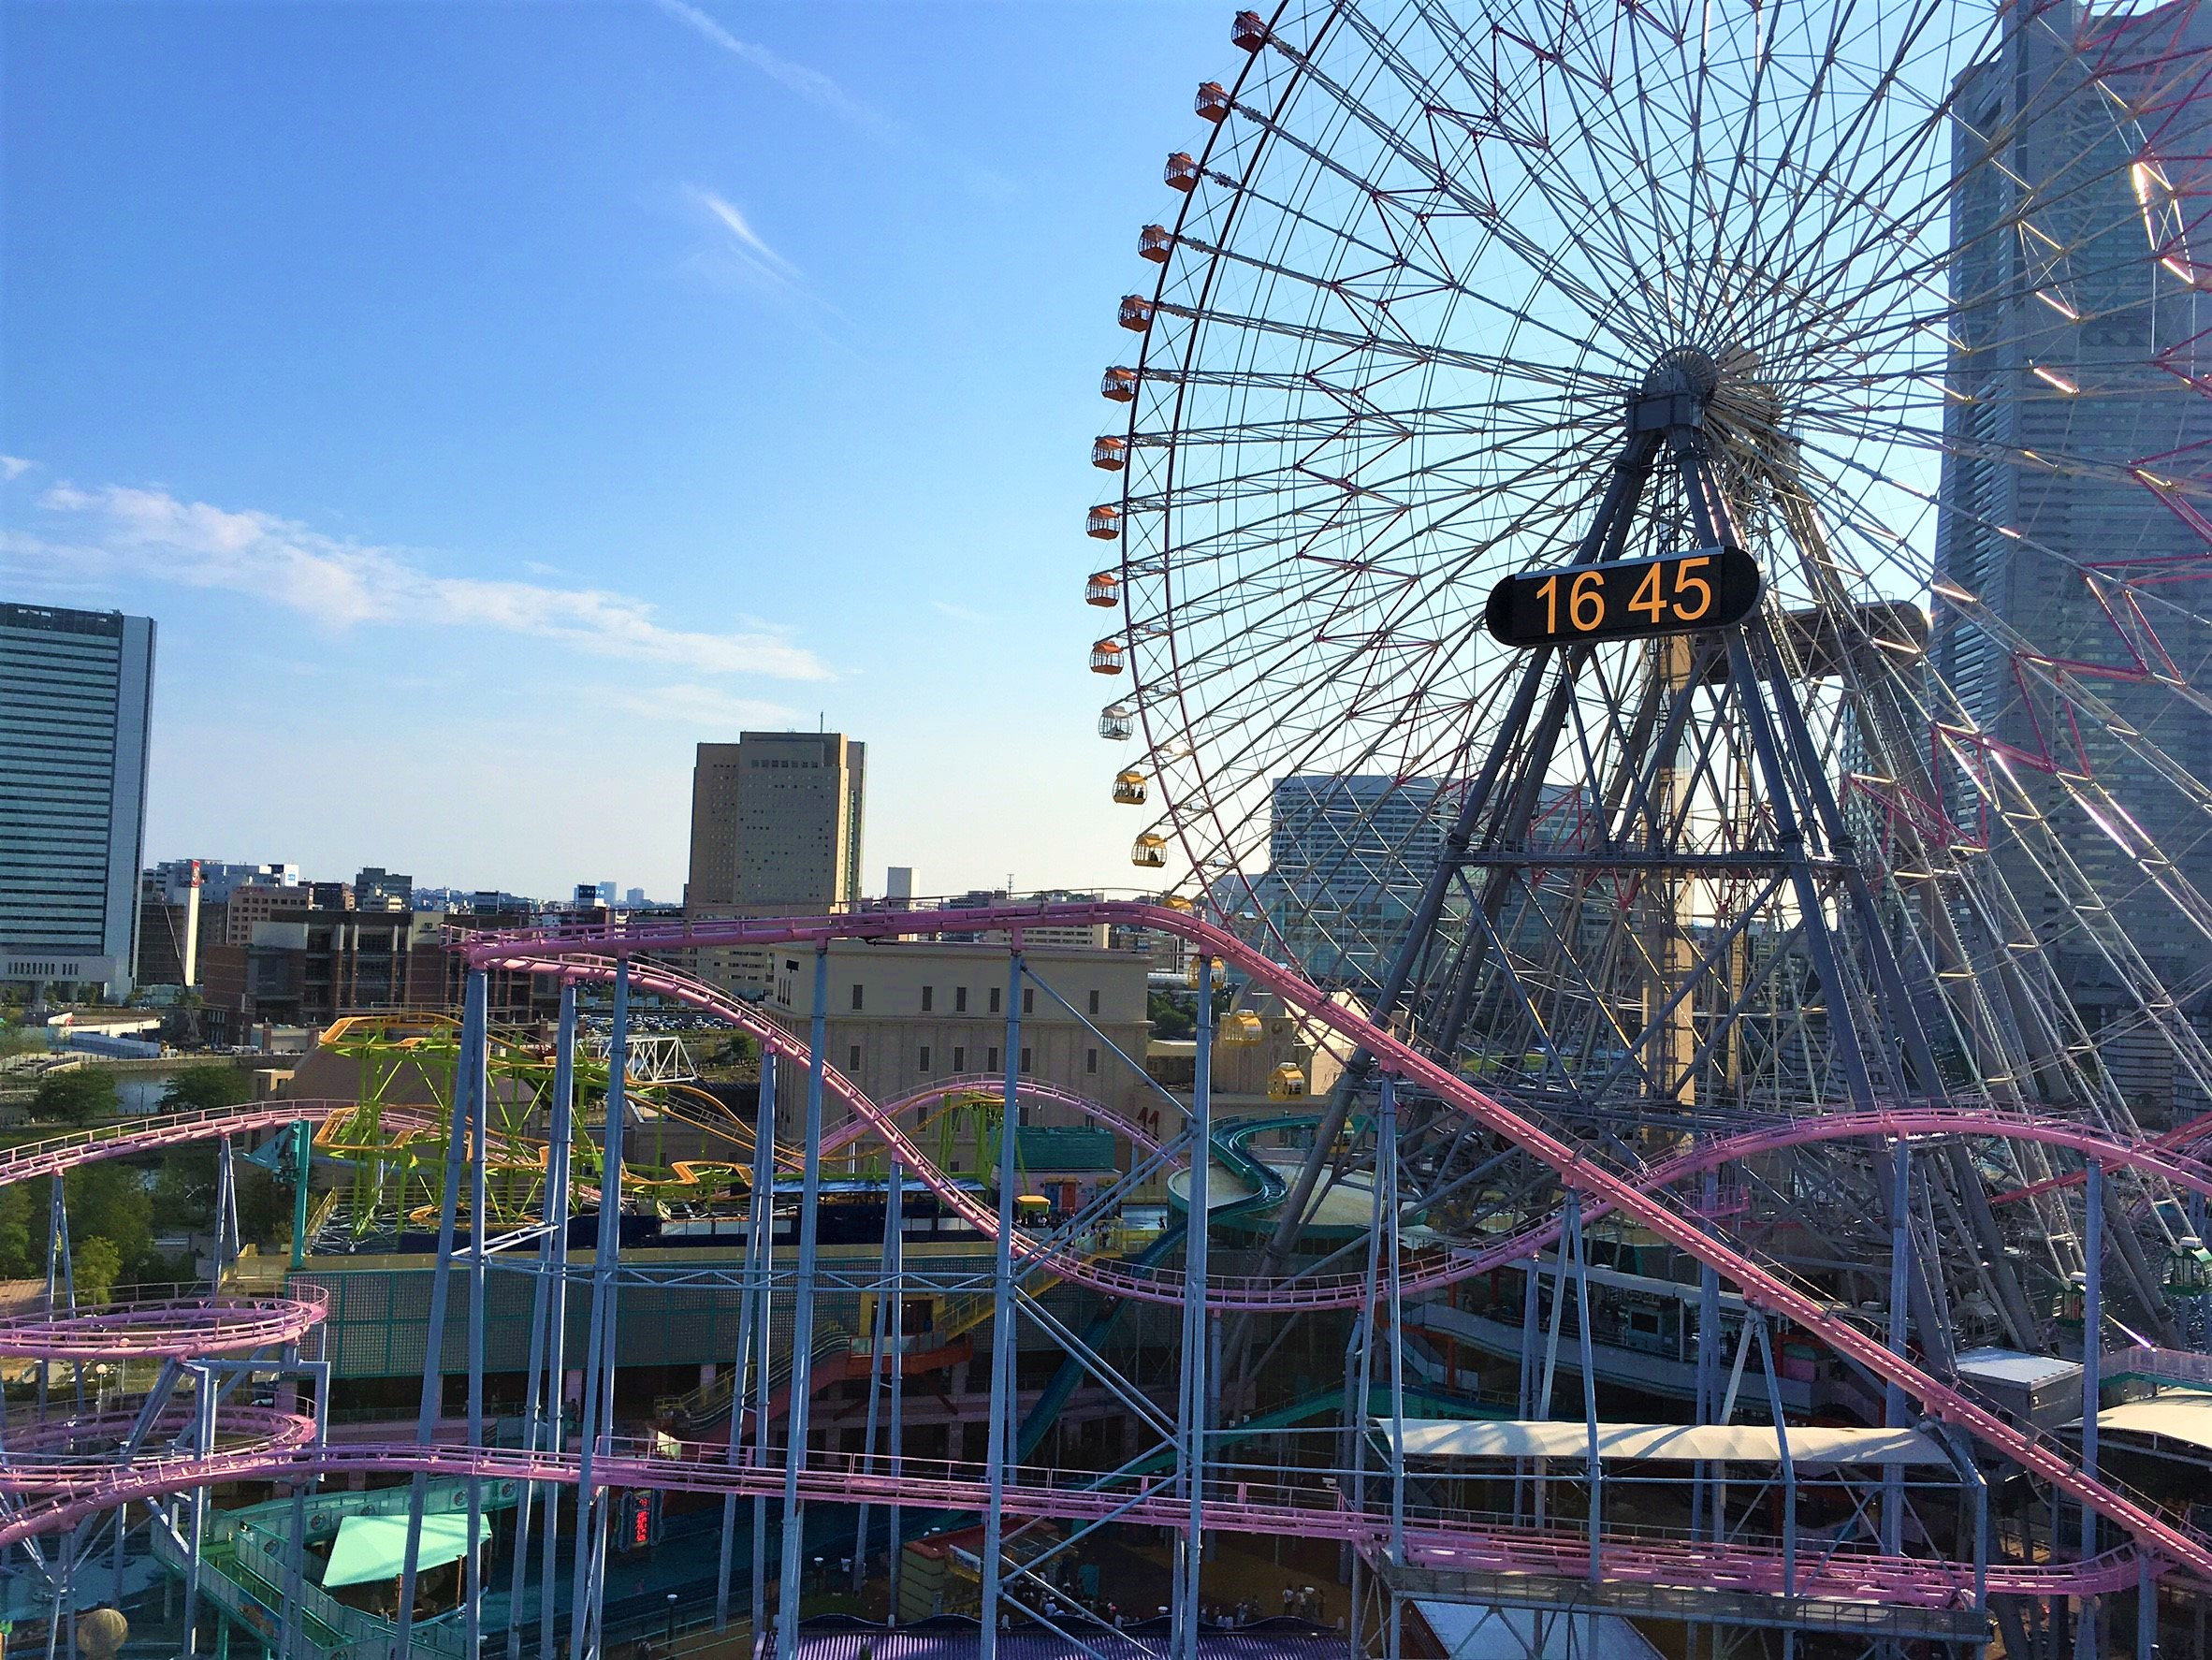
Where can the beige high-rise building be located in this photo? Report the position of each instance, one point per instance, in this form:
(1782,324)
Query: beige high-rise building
(776,831)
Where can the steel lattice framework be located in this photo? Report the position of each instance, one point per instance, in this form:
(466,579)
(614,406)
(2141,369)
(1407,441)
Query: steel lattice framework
(190,1439)
(1829,950)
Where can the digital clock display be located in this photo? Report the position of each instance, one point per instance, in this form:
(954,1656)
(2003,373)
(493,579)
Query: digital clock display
(1675,593)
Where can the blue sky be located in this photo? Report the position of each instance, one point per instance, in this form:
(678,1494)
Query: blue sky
(491,400)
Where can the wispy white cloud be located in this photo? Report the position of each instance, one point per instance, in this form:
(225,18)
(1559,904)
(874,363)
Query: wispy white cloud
(810,84)
(14,467)
(750,247)
(692,706)
(957,613)
(149,535)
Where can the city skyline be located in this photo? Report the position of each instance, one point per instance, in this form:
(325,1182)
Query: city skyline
(559,448)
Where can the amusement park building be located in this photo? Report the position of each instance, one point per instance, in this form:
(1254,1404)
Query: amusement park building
(76,704)
(900,1015)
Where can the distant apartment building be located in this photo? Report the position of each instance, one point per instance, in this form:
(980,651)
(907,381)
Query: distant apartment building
(378,889)
(902,1016)
(1067,936)
(1348,856)
(76,704)
(231,898)
(217,879)
(306,966)
(259,902)
(776,831)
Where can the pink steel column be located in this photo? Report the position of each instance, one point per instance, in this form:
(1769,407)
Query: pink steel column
(999,1441)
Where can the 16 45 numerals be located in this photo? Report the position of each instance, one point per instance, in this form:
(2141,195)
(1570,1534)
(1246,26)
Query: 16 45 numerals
(1675,593)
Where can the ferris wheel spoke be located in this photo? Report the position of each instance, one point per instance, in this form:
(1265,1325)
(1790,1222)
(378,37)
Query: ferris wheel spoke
(2145,589)
(1553,478)
(1358,347)
(1441,178)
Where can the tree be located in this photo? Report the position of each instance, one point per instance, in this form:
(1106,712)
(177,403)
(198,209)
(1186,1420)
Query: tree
(735,1050)
(110,1202)
(1170,1017)
(78,1096)
(206,1089)
(19,1214)
(94,1266)
(17,1037)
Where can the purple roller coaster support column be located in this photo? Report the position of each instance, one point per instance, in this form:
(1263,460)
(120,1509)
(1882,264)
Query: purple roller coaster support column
(1385,1181)
(203,1417)
(479,1101)
(1582,1342)
(58,1273)
(1000,1439)
(302,1164)
(1359,1368)
(760,1218)
(434,1370)
(1788,1464)
(878,1339)
(802,1329)
(2147,1609)
(1195,1393)
(596,1420)
(762,1338)
(548,1331)
(2092,1347)
(1895,1411)
(895,1198)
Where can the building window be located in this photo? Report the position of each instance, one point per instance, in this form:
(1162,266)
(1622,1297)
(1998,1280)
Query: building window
(852,1064)
(924,1067)
(1028,1000)
(994,1000)
(991,1058)
(1094,1005)
(960,999)
(1090,1060)
(1025,1057)
(928,998)
(856,997)
(959,1058)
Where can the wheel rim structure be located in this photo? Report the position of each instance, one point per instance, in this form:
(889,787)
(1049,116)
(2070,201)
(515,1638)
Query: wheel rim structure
(1931,277)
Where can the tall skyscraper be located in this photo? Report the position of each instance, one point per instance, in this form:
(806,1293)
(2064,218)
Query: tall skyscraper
(2073,338)
(75,702)
(776,830)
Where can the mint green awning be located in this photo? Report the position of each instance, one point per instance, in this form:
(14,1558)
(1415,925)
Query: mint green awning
(375,1547)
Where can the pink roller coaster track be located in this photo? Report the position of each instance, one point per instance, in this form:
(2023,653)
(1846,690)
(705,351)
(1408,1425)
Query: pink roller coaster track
(858,1129)
(169,1328)
(279,1449)
(166,1327)
(1762,1288)
(174,1130)
(1424,1273)
(73,1456)
(1440,1540)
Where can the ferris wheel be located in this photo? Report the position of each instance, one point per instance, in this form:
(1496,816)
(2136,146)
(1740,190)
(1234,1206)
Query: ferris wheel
(1907,304)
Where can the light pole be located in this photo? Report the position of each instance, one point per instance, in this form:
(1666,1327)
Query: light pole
(672,1622)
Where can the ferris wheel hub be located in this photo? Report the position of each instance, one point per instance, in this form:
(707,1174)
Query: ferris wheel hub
(1685,370)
